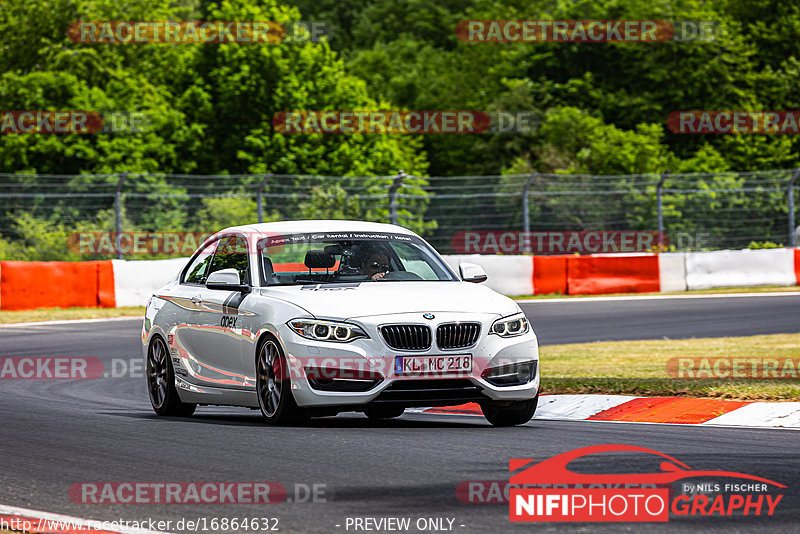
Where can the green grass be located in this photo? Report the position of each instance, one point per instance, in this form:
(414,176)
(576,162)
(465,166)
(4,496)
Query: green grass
(714,291)
(639,367)
(60,314)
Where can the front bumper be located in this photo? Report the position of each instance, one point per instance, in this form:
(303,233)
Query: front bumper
(368,365)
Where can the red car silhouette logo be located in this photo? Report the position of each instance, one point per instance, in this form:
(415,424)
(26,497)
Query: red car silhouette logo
(554,470)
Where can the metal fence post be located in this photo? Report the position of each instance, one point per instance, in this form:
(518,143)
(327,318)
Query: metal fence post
(396,184)
(792,230)
(660,206)
(260,197)
(526,223)
(118,212)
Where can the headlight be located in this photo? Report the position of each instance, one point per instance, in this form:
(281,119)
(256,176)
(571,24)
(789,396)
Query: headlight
(510,326)
(515,374)
(326,330)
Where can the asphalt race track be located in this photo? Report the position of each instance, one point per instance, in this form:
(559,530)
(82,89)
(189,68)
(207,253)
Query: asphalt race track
(580,320)
(54,434)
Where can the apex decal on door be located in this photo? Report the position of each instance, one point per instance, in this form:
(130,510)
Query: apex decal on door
(228,322)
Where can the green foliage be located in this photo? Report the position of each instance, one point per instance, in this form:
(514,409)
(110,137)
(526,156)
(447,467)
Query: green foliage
(209,110)
(44,239)
(231,209)
(571,141)
(751,61)
(754,245)
(330,203)
(602,109)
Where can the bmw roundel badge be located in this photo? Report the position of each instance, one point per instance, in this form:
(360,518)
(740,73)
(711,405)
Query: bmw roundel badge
(429,316)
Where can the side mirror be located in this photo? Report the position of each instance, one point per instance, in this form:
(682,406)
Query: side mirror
(226,280)
(471,272)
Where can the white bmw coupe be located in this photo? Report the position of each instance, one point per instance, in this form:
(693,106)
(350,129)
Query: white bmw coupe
(312,318)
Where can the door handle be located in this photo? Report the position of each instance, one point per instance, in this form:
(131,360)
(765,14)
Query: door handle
(196,300)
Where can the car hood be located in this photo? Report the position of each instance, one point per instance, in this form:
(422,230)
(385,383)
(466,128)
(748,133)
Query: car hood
(350,301)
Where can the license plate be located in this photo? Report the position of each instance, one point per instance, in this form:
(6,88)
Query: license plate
(419,365)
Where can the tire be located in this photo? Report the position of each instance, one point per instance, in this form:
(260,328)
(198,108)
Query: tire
(161,382)
(274,387)
(383,412)
(517,413)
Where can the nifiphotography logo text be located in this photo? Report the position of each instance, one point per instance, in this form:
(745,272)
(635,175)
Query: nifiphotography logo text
(549,491)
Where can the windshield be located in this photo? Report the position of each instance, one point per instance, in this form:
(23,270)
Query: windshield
(339,257)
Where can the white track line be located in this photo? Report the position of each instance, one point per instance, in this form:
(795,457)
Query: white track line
(87,523)
(664,297)
(73,321)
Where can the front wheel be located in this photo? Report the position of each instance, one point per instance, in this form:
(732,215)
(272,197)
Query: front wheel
(516,413)
(274,387)
(161,382)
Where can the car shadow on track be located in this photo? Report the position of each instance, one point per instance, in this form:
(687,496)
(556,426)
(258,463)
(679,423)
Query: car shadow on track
(341,421)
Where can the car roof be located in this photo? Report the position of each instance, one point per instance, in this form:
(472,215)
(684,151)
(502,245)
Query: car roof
(302,227)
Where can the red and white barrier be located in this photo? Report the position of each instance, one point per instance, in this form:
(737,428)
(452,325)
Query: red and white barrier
(618,273)
(550,275)
(130,283)
(509,275)
(136,281)
(733,268)
(27,285)
(672,271)
(638,273)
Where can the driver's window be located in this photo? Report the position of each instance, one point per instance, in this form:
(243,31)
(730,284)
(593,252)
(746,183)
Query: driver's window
(232,254)
(198,270)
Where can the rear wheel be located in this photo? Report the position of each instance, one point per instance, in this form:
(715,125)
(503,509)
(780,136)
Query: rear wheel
(516,413)
(274,387)
(161,382)
(383,412)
